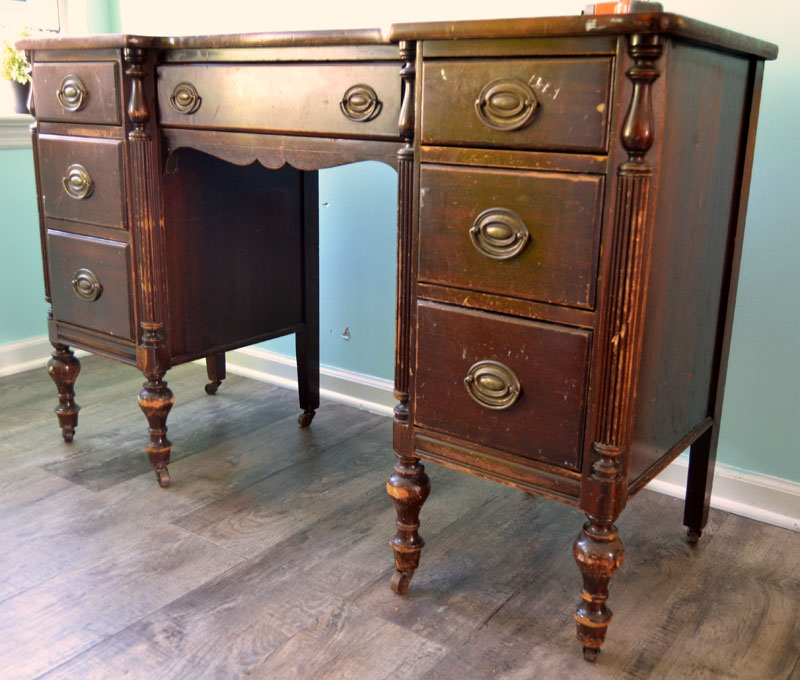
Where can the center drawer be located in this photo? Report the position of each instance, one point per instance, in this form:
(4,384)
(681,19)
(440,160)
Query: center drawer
(357,100)
(510,384)
(524,234)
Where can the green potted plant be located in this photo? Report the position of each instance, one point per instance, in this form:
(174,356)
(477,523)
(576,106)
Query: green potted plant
(15,68)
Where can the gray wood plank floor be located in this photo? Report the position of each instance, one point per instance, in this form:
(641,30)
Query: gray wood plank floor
(269,556)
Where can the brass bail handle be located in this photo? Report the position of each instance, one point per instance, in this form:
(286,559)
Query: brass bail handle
(492,385)
(86,285)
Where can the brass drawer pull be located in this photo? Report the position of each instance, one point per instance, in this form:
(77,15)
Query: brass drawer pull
(86,285)
(72,93)
(492,385)
(499,233)
(506,104)
(360,103)
(185,98)
(77,182)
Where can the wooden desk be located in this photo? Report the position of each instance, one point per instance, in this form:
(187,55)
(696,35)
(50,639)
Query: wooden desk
(572,194)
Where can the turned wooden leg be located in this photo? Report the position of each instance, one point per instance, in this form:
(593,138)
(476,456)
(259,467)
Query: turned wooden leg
(408,488)
(598,552)
(215,367)
(156,400)
(63,368)
(702,456)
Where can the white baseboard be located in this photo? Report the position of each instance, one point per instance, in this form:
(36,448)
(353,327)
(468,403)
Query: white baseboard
(767,499)
(356,389)
(749,494)
(23,355)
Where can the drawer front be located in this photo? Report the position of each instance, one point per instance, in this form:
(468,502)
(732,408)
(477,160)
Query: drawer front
(551,104)
(89,282)
(78,92)
(532,235)
(467,365)
(82,179)
(358,100)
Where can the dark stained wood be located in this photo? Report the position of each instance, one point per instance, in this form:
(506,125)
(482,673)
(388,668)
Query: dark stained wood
(572,97)
(71,256)
(692,249)
(296,98)
(559,212)
(508,158)
(215,366)
(609,24)
(701,461)
(102,160)
(605,139)
(546,421)
(63,368)
(495,303)
(258,252)
(92,106)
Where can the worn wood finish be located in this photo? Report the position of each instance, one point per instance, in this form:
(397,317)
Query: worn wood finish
(102,161)
(86,102)
(571,195)
(560,216)
(90,282)
(295,98)
(570,96)
(545,423)
(259,251)
(263,567)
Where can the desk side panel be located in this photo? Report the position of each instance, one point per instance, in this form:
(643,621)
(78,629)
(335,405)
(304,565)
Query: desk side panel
(234,253)
(698,190)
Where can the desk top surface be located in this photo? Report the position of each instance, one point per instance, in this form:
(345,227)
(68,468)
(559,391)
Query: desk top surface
(544,27)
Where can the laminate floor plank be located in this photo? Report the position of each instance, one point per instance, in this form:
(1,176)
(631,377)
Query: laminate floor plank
(269,557)
(348,643)
(113,452)
(80,607)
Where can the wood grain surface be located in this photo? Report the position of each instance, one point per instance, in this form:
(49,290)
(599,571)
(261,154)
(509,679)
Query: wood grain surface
(269,556)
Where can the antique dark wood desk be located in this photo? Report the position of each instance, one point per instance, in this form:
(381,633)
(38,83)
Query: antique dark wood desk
(572,196)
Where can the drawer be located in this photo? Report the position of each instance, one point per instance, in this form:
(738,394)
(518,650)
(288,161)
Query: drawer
(360,100)
(551,104)
(78,92)
(89,282)
(82,179)
(525,234)
(467,365)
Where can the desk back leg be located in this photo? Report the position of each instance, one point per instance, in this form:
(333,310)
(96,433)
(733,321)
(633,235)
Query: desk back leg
(215,367)
(307,340)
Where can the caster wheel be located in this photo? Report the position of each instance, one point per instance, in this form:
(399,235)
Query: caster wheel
(305,418)
(400,582)
(693,536)
(590,654)
(163,478)
(68,435)
(212,387)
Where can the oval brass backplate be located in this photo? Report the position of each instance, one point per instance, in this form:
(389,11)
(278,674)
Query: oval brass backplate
(360,103)
(492,385)
(77,182)
(86,285)
(506,104)
(499,233)
(185,98)
(72,93)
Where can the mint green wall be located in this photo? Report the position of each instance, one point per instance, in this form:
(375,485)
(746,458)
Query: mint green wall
(22,306)
(357,234)
(762,402)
